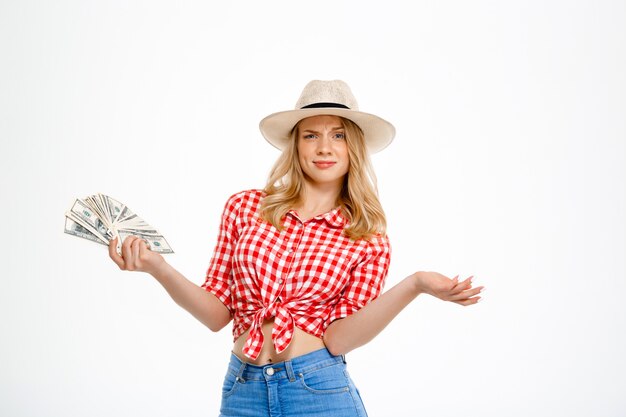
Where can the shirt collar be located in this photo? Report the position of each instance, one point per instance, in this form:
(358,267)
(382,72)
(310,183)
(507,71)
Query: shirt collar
(334,218)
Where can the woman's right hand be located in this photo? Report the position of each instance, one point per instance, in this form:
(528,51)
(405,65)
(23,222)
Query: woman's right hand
(136,256)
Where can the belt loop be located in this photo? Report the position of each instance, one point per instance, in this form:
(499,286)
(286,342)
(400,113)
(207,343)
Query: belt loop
(343,358)
(290,373)
(242,368)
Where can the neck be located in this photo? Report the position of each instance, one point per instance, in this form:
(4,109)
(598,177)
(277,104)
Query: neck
(318,199)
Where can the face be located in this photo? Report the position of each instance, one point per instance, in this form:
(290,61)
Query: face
(323,150)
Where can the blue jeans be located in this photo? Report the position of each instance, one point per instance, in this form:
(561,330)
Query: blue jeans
(315,384)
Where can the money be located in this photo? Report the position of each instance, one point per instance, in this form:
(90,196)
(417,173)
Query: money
(73,228)
(100,218)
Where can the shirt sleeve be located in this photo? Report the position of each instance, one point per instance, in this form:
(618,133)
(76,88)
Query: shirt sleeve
(219,276)
(366,281)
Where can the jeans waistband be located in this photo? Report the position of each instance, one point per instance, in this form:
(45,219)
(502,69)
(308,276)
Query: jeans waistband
(283,370)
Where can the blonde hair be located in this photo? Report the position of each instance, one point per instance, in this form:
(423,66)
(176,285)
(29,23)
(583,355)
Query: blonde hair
(358,198)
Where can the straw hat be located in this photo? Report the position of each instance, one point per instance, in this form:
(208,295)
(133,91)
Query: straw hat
(327,98)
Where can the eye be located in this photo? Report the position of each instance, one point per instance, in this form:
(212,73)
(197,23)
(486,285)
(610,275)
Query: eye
(309,136)
(340,136)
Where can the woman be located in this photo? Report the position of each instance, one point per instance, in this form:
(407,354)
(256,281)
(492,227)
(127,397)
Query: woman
(300,265)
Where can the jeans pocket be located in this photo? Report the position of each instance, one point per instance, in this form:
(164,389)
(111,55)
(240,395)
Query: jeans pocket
(328,380)
(231,382)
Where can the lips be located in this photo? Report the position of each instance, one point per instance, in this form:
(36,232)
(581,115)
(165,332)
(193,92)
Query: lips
(324,164)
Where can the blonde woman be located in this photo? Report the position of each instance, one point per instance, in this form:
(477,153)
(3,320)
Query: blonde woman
(300,265)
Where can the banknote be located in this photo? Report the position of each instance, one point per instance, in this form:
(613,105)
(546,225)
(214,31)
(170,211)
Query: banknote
(100,218)
(73,228)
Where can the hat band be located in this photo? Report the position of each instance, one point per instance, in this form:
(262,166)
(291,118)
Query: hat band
(320,105)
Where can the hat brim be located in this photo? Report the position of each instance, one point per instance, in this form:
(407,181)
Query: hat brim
(276,128)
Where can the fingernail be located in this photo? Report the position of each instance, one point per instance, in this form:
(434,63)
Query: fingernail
(482,290)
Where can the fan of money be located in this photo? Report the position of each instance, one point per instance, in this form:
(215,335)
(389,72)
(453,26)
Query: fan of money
(100,218)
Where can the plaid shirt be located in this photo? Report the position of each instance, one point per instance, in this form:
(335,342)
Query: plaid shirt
(306,275)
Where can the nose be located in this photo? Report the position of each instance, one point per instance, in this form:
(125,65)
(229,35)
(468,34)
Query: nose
(323,145)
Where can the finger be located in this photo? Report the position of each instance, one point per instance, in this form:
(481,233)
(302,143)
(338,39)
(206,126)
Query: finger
(469,302)
(119,261)
(472,297)
(463,285)
(128,242)
(450,284)
(144,254)
(135,247)
(466,294)
(127,253)
(143,248)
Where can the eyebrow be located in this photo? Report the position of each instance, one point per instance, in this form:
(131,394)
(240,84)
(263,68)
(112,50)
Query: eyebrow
(315,131)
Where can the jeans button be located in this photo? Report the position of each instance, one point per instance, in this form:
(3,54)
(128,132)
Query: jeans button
(269,371)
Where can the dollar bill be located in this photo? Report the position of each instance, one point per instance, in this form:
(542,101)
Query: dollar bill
(85,225)
(155,243)
(75,229)
(89,215)
(100,218)
(115,207)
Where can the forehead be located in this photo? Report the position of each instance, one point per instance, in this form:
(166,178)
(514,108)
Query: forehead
(323,121)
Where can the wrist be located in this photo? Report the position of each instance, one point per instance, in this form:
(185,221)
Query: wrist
(417,279)
(159,269)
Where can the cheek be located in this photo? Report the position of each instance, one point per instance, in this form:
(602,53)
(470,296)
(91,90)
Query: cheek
(341,147)
(346,168)
(301,157)
(345,158)
(343,151)
(302,161)
(304,150)
(301,151)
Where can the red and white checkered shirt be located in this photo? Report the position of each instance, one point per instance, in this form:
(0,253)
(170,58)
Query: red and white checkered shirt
(306,275)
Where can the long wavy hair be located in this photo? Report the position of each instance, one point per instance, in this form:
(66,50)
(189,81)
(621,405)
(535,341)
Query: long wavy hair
(358,198)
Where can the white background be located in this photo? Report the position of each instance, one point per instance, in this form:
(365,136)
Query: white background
(508,164)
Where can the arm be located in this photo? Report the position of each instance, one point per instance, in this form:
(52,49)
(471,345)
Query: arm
(203,305)
(353,331)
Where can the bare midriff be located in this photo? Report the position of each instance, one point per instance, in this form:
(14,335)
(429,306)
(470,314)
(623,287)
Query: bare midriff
(301,344)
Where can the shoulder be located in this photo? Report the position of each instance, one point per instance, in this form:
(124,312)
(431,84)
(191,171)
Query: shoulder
(246,196)
(379,245)
(246,201)
(375,257)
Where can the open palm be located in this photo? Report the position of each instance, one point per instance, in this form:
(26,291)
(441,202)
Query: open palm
(447,289)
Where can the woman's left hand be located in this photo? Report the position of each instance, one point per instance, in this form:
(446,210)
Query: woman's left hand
(446,289)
